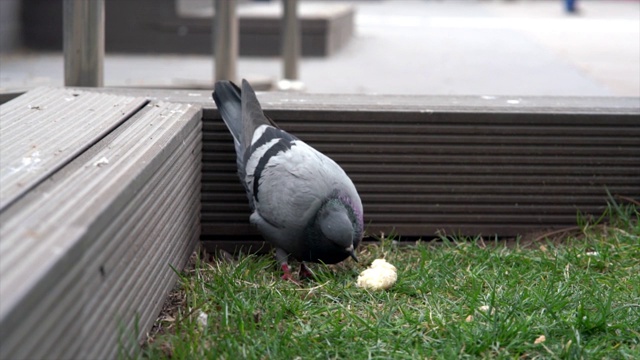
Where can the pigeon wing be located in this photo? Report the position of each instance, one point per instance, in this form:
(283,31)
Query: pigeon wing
(289,181)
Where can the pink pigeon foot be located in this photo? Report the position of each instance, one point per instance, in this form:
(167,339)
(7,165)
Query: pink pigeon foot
(306,273)
(286,276)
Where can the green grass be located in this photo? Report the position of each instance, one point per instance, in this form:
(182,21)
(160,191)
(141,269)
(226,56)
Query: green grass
(453,299)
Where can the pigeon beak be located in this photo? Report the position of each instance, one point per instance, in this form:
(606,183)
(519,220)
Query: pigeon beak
(352,253)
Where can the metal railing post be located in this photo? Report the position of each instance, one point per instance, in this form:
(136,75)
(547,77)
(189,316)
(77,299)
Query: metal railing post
(290,39)
(225,35)
(83,42)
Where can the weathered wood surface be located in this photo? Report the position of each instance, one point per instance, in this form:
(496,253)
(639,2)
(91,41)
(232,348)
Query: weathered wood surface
(424,165)
(46,128)
(86,254)
(352,104)
(422,174)
(91,242)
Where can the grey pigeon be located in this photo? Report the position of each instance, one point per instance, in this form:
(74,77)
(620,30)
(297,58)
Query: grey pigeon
(302,202)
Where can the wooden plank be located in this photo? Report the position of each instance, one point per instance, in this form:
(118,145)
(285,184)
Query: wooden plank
(134,195)
(502,165)
(466,165)
(131,282)
(46,128)
(379,108)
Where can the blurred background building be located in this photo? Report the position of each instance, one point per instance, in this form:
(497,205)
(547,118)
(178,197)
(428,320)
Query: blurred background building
(435,47)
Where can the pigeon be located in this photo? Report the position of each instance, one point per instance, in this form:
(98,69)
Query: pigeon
(302,202)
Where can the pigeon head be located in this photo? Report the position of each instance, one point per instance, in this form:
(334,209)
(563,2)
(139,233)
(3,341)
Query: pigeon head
(333,236)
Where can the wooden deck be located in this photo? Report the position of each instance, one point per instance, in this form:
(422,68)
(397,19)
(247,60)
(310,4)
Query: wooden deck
(92,225)
(427,165)
(105,188)
(491,166)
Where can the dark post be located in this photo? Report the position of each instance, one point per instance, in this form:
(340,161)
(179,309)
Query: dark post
(83,42)
(290,39)
(225,35)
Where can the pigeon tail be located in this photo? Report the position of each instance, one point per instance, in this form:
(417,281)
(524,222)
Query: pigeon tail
(240,111)
(252,115)
(227,97)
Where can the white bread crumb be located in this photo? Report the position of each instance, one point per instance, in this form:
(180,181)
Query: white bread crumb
(380,276)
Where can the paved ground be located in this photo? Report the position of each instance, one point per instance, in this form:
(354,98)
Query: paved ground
(423,47)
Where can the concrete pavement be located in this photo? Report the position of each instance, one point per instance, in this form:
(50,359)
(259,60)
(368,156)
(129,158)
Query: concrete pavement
(421,47)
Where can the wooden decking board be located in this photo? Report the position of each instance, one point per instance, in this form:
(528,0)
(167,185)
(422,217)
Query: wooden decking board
(113,252)
(26,328)
(381,108)
(125,285)
(117,258)
(107,258)
(423,166)
(152,295)
(491,149)
(498,170)
(139,282)
(78,118)
(45,323)
(123,311)
(137,152)
(626,169)
(16,251)
(235,200)
(58,329)
(573,128)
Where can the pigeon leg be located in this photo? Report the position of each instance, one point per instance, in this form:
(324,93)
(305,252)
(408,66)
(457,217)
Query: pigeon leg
(286,273)
(305,272)
(282,257)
